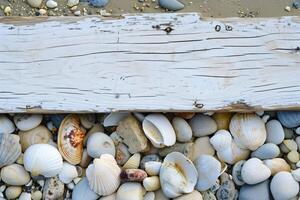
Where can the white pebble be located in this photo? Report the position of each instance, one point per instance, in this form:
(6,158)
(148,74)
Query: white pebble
(77,13)
(287,8)
(51,4)
(71,186)
(265,118)
(25,196)
(2,188)
(34,3)
(297,131)
(42,11)
(72,3)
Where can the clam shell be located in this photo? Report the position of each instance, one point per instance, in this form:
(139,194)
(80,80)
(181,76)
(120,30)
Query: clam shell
(103,175)
(113,119)
(109,197)
(130,191)
(13,192)
(260,190)
(209,169)
(266,151)
(53,189)
(254,171)
(68,173)
(82,191)
(122,154)
(43,159)
(159,130)
(195,195)
(202,146)
(149,196)
(133,175)
(133,162)
(222,120)
(152,167)
(70,139)
(203,125)
(38,135)
(25,122)
(100,143)
(277,165)
(173,5)
(275,133)
(248,131)
(283,186)
(289,119)
(178,175)
(87,120)
(6,126)
(236,173)
(182,129)
(15,175)
(10,149)
(151,183)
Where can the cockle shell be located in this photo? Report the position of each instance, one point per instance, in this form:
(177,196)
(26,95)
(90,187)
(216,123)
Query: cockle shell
(222,120)
(43,159)
(6,126)
(178,175)
(182,129)
(100,143)
(38,135)
(203,125)
(10,148)
(159,130)
(277,165)
(133,162)
(289,119)
(130,191)
(254,171)
(25,122)
(15,174)
(133,175)
(151,183)
(114,118)
(103,175)
(87,120)
(70,139)
(248,130)
(82,191)
(152,167)
(68,173)
(283,186)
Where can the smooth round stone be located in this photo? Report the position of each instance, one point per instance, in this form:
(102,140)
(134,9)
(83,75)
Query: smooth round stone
(293,156)
(72,3)
(173,5)
(15,175)
(202,146)
(25,122)
(283,186)
(203,125)
(37,195)
(51,4)
(275,133)
(266,151)
(288,133)
(25,196)
(291,145)
(100,143)
(260,190)
(254,171)
(99,3)
(296,174)
(289,119)
(182,129)
(298,142)
(13,192)
(35,3)
(6,125)
(297,131)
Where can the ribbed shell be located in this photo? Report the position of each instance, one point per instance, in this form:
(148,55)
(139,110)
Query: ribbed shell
(10,149)
(70,139)
(289,119)
(104,175)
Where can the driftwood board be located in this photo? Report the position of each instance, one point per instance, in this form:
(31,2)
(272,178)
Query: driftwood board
(101,65)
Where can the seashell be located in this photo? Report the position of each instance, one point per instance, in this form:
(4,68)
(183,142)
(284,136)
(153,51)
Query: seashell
(266,151)
(185,115)
(248,130)
(83,191)
(152,167)
(87,120)
(68,173)
(147,158)
(178,175)
(236,173)
(222,120)
(227,189)
(25,196)
(203,125)
(42,159)
(226,148)
(99,3)
(37,195)
(275,132)
(149,196)
(13,192)
(53,189)
(182,129)
(96,128)
(289,119)
(100,143)
(254,171)
(260,190)
(209,169)
(103,175)
(159,195)
(151,183)
(130,191)
(38,135)
(85,160)
(114,118)
(15,174)
(70,139)
(133,162)
(296,174)
(195,195)
(208,195)
(159,130)
(109,197)
(10,149)
(25,122)
(277,165)
(283,186)
(202,146)
(122,154)
(6,126)
(173,5)
(133,175)
(184,148)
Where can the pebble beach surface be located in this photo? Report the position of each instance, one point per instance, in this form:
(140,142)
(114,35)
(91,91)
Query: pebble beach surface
(150,156)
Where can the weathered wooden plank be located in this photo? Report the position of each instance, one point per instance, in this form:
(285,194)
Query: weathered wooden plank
(96,65)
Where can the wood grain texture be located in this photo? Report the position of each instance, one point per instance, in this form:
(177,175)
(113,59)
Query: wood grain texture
(96,65)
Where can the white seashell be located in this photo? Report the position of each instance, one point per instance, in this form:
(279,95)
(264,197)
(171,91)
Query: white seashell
(178,175)
(254,171)
(87,120)
(209,169)
(277,165)
(113,119)
(133,162)
(159,195)
(109,197)
(226,148)
(266,151)
(151,183)
(275,133)
(43,159)
(182,129)
(149,196)
(283,186)
(104,175)
(289,119)
(159,130)
(195,195)
(83,191)
(10,149)
(130,191)
(25,196)
(13,192)
(96,128)
(15,174)
(296,174)
(152,167)
(6,126)
(203,125)
(248,131)
(202,146)
(100,143)
(68,173)
(236,173)
(25,122)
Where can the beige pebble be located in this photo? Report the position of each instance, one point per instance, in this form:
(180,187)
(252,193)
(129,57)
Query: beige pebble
(73,9)
(13,192)
(7,10)
(72,3)
(37,195)
(42,11)
(293,156)
(287,8)
(291,145)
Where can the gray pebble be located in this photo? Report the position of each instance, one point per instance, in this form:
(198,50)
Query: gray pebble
(259,191)
(171,4)
(266,151)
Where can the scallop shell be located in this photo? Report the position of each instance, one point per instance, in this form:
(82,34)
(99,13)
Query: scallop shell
(248,130)
(289,119)
(38,135)
(182,129)
(82,191)
(151,183)
(277,165)
(70,139)
(100,143)
(103,175)
(159,130)
(25,122)
(113,119)
(222,120)
(152,167)
(283,186)
(254,171)
(43,159)
(130,191)
(10,149)
(149,196)
(6,126)
(178,175)
(133,162)
(68,173)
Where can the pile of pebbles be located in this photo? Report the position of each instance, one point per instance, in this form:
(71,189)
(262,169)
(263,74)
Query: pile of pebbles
(150,156)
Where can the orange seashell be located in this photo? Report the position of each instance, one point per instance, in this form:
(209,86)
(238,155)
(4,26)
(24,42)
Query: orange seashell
(70,139)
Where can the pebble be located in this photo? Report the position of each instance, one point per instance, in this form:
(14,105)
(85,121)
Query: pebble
(53,189)
(293,156)
(254,171)
(42,11)
(202,146)
(287,8)
(185,148)
(71,186)
(77,13)
(15,175)
(275,133)
(227,189)
(291,145)
(72,3)
(288,133)
(266,151)
(99,3)
(7,10)
(283,186)
(51,4)
(297,131)
(37,195)
(203,125)
(260,190)
(296,4)
(25,196)
(35,3)
(13,192)
(296,174)
(171,4)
